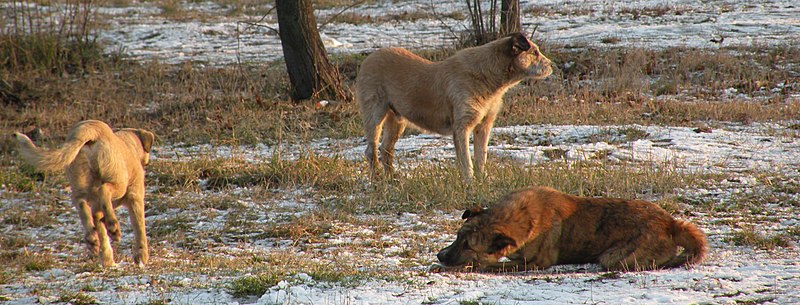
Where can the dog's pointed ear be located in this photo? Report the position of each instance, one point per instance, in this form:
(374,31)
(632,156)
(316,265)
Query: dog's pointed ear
(147,138)
(472,212)
(519,43)
(500,242)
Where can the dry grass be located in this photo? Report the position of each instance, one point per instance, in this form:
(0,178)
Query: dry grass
(326,4)
(578,9)
(249,104)
(60,40)
(752,237)
(358,18)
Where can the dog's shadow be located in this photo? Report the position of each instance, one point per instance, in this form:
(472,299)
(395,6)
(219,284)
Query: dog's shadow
(551,271)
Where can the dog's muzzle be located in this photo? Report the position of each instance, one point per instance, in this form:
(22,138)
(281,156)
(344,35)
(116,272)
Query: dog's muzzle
(445,256)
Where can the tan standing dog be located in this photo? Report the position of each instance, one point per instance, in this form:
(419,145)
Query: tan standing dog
(458,96)
(105,170)
(539,227)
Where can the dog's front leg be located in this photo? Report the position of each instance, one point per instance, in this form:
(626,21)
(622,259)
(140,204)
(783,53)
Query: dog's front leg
(461,142)
(481,142)
(135,204)
(109,215)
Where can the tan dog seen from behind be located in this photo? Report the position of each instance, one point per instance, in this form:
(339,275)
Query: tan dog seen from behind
(459,96)
(539,227)
(105,170)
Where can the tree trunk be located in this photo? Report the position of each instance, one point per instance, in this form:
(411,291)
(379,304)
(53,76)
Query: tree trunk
(510,21)
(310,72)
(484,28)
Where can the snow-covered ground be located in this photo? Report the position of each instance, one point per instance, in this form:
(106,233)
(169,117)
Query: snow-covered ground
(730,274)
(735,148)
(762,161)
(142,33)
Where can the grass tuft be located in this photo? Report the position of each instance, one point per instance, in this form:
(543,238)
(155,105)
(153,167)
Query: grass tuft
(172,227)
(6,278)
(253,285)
(78,298)
(37,262)
(13,242)
(30,218)
(21,179)
(751,237)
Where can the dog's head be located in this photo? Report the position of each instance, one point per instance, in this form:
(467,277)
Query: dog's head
(526,57)
(480,242)
(146,139)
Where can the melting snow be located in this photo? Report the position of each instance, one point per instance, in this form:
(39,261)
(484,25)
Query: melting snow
(142,33)
(729,274)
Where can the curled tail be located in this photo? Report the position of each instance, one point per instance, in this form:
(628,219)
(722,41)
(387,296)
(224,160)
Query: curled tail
(58,159)
(692,240)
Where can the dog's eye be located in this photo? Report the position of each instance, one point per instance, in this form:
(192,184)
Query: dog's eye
(535,53)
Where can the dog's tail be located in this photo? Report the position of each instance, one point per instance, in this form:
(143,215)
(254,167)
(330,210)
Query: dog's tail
(58,159)
(693,241)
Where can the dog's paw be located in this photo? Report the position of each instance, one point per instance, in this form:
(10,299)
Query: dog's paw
(91,242)
(112,228)
(110,264)
(141,259)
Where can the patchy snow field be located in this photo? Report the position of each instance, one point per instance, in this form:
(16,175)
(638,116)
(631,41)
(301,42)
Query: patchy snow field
(141,33)
(729,275)
(761,161)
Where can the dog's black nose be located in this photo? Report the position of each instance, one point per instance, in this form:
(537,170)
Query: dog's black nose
(442,256)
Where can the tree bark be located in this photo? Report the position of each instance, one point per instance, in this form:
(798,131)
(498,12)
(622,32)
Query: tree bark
(510,21)
(310,72)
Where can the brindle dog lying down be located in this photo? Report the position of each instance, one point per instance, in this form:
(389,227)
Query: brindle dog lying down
(535,228)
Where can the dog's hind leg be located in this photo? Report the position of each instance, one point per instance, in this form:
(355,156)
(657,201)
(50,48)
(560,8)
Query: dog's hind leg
(106,252)
(651,253)
(613,258)
(374,117)
(393,128)
(107,206)
(638,254)
(87,220)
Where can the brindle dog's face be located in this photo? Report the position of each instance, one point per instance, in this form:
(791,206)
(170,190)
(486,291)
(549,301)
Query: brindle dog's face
(529,58)
(477,243)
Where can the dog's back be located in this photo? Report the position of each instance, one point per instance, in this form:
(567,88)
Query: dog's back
(396,79)
(388,63)
(92,150)
(595,225)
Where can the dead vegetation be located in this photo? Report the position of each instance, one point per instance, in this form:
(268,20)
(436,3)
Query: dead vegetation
(341,212)
(249,104)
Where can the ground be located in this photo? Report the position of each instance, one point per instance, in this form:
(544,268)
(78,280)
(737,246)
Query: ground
(300,222)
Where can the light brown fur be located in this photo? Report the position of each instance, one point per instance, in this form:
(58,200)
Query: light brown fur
(539,227)
(458,96)
(105,170)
